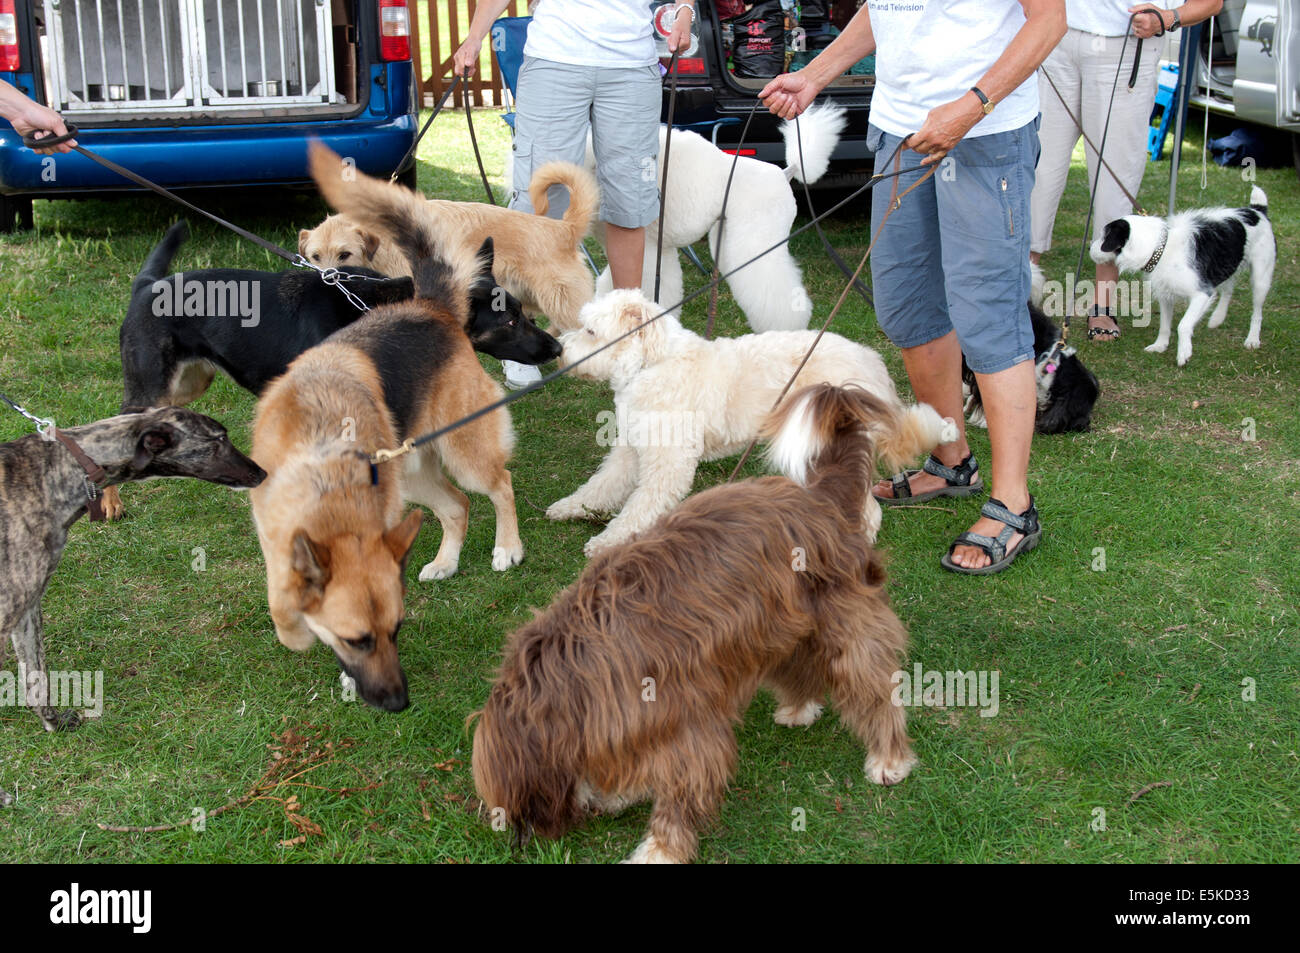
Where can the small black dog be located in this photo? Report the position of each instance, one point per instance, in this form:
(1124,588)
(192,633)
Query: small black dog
(1067,390)
(180,329)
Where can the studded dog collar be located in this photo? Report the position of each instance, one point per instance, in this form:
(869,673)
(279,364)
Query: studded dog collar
(1150,266)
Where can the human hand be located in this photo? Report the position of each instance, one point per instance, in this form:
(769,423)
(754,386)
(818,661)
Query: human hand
(789,94)
(680,38)
(35,118)
(945,126)
(465,59)
(1153,25)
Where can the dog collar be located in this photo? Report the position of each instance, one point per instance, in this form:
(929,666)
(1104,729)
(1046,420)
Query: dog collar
(94,479)
(1150,266)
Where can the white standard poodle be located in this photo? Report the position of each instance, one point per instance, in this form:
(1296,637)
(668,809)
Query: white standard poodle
(680,399)
(760,210)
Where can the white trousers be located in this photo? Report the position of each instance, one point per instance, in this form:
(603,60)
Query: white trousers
(1083,68)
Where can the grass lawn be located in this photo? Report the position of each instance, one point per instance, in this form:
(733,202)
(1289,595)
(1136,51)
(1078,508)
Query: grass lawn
(1110,681)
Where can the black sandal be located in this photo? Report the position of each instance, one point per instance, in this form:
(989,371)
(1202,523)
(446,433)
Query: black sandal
(1106,334)
(996,547)
(963,480)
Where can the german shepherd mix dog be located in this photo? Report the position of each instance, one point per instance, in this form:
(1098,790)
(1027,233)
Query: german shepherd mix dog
(330,524)
(43,491)
(702,608)
(181,329)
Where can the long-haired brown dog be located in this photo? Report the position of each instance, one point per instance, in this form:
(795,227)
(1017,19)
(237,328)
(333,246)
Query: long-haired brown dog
(330,524)
(537,258)
(630,684)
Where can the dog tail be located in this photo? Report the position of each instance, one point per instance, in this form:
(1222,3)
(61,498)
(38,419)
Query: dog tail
(825,430)
(821,127)
(397,213)
(584,195)
(159,262)
(1259,201)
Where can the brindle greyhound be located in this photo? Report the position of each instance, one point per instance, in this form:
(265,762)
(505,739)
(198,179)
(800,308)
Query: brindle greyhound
(44,490)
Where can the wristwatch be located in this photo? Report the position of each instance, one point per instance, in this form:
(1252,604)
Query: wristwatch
(988,106)
(1178,21)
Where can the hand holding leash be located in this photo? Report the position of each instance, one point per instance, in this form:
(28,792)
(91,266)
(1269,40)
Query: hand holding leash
(789,94)
(945,126)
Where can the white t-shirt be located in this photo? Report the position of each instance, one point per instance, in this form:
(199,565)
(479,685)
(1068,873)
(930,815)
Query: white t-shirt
(930,52)
(1105,17)
(614,33)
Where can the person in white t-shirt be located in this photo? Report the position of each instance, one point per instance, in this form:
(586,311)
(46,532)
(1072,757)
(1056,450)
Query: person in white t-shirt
(1081,71)
(951,265)
(590,65)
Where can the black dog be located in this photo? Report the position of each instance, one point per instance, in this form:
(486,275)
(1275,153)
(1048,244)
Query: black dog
(180,329)
(1067,390)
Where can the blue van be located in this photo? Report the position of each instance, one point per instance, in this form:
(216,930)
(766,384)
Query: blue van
(205,93)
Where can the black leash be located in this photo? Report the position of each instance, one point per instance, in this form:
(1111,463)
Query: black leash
(425,128)
(663,180)
(722,220)
(469,119)
(411,443)
(331,276)
(1101,151)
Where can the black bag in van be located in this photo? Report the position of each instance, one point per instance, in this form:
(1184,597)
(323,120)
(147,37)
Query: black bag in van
(759,49)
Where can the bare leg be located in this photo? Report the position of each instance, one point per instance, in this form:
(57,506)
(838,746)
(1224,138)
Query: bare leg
(1107,277)
(625,248)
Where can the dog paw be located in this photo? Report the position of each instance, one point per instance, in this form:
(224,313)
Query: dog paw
(1156,347)
(111,501)
(1252,342)
(798,717)
(6,799)
(649,852)
(65,720)
(503,558)
(597,544)
(880,772)
(1184,354)
(566,509)
(440,570)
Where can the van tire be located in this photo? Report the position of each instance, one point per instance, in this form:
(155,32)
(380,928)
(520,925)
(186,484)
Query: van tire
(15,213)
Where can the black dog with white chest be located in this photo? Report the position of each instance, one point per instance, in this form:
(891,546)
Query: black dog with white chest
(1067,391)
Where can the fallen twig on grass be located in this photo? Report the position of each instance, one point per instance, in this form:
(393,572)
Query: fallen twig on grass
(1151,787)
(294,753)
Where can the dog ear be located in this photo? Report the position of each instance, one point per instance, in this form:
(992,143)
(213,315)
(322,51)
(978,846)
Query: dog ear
(652,335)
(486,258)
(153,441)
(401,537)
(369,244)
(311,563)
(303,235)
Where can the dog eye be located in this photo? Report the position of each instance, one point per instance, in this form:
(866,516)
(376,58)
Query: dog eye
(591,332)
(363,643)
(344,255)
(315,257)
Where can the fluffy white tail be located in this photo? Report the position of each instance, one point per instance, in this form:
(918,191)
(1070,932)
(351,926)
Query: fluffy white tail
(820,127)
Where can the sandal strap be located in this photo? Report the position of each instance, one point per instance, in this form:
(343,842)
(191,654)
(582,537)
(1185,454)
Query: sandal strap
(995,549)
(902,488)
(961,475)
(1026,522)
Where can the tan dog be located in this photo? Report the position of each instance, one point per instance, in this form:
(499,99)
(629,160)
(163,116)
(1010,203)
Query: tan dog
(329,524)
(537,258)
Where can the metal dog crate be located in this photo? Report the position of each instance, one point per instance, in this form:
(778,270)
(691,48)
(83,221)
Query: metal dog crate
(164,57)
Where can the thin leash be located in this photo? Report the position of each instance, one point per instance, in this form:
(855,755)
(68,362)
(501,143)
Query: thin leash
(95,477)
(425,128)
(895,201)
(722,222)
(1105,134)
(478,156)
(331,276)
(663,180)
(412,443)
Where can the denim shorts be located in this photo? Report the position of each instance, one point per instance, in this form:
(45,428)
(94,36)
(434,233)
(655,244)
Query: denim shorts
(555,106)
(955,254)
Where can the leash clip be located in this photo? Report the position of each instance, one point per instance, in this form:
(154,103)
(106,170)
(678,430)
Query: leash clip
(335,278)
(383,456)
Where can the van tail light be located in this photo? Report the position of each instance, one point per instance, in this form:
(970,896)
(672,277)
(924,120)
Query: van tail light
(8,37)
(394,30)
(691,67)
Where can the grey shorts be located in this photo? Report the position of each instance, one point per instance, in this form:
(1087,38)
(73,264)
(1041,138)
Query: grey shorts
(955,254)
(557,103)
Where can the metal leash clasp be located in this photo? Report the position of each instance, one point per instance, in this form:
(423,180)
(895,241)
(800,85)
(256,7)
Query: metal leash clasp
(335,278)
(383,456)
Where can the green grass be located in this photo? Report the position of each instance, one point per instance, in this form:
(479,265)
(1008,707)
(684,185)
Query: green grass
(1110,681)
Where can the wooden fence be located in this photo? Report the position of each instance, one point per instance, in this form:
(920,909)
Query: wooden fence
(438,28)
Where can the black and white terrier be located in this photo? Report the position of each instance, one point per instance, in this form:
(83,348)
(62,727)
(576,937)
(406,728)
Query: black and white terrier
(1195,255)
(1067,390)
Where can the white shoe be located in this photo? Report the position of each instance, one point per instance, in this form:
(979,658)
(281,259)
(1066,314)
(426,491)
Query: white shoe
(520,375)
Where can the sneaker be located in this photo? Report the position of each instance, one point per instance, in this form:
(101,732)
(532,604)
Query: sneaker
(520,375)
